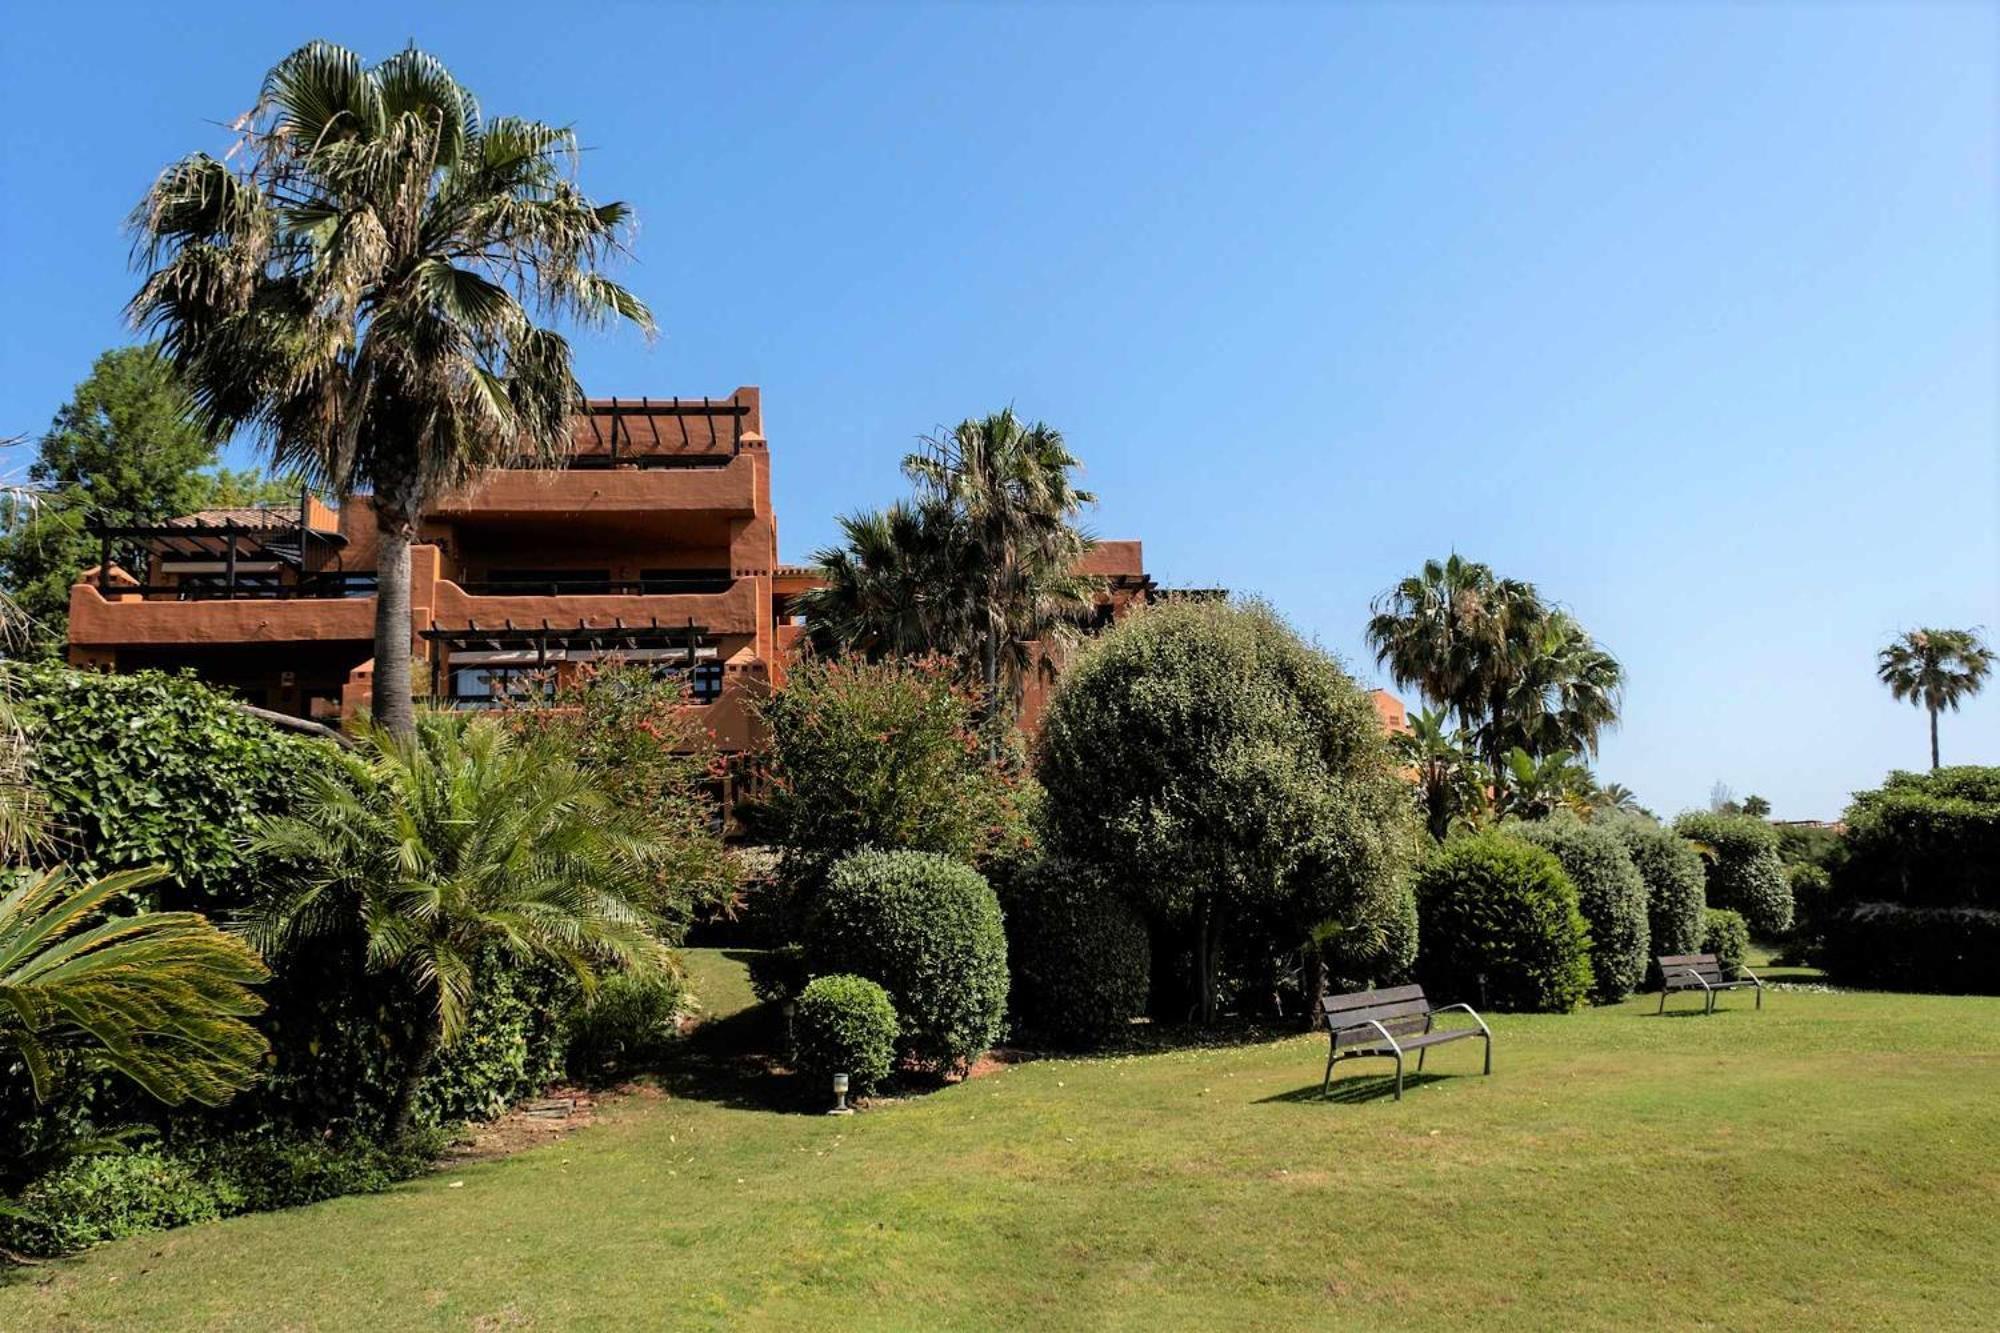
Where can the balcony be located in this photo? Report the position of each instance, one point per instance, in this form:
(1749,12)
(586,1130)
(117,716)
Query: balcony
(729,487)
(725,605)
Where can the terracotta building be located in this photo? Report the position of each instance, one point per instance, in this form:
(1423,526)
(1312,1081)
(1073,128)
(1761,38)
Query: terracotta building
(654,542)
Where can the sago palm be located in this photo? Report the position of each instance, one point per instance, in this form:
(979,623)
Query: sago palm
(161,997)
(368,283)
(441,846)
(1008,485)
(1935,669)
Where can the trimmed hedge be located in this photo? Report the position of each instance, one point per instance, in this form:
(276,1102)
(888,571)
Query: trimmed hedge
(928,930)
(1744,871)
(1725,934)
(1946,950)
(1676,889)
(1925,840)
(626,1025)
(845,1025)
(1081,959)
(1499,926)
(1610,893)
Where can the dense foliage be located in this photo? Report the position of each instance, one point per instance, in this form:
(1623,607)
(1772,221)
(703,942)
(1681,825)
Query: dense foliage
(1233,781)
(1726,935)
(626,1024)
(928,930)
(1744,874)
(1611,894)
(1916,904)
(157,770)
(1079,952)
(1676,888)
(845,1025)
(883,755)
(1500,927)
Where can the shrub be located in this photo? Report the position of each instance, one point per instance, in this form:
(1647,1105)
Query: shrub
(1676,889)
(1726,935)
(1234,782)
(627,1024)
(927,929)
(1948,950)
(1609,892)
(845,1024)
(1499,926)
(1743,871)
(1080,956)
(1925,840)
(155,769)
(778,975)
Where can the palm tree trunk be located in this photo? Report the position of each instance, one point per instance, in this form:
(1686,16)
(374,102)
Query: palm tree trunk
(419,1064)
(1934,747)
(391,702)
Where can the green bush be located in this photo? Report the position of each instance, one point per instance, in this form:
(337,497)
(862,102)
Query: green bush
(1233,781)
(1611,895)
(928,930)
(1944,950)
(1925,840)
(1676,889)
(845,1025)
(1726,935)
(1080,956)
(1744,872)
(1499,926)
(627,1024)
(778,975)
(156,769)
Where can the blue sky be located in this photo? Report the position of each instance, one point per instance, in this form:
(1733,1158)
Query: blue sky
(1689,314)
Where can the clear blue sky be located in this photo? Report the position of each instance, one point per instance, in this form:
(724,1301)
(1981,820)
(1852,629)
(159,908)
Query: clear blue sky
(1690,315)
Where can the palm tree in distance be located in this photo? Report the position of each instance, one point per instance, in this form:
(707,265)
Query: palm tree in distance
(1935,669)
(370,291)
(897,587)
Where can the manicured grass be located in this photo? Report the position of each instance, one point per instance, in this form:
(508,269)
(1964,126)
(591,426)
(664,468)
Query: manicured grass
(1833,1162)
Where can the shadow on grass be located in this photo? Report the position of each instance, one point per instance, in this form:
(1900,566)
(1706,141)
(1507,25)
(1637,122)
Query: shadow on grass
(1361,1088)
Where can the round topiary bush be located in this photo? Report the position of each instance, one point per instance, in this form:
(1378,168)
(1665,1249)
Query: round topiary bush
(1676,892)
(1610,893)
(928,930)
(1498,924)
(1081,959)
(845,1025)
(1725,935)
(1744,871)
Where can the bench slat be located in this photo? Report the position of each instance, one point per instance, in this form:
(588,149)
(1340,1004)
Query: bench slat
(1388,1015)
(1369,999)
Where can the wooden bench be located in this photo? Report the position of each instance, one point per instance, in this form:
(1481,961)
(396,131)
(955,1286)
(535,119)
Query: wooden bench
(1706,973)
(1387,1023)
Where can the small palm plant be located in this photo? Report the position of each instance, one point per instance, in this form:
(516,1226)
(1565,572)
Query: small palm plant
(445,845)
(161,997)
(1935,669)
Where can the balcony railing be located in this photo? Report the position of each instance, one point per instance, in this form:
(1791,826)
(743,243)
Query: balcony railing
(249,587)
(651,586)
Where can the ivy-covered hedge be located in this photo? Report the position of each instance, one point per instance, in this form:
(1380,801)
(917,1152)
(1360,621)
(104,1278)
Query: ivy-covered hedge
(927,929)
(1610,893)
(156,769)
(1745,874)
(1079,952)
(1499,926)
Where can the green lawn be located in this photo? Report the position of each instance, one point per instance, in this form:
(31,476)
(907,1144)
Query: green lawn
(1833,1162)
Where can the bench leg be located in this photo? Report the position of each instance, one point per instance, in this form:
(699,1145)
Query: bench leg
(1399,1074)
(1663,1001)
(1327,1082)
(1760,997)
(1489,1052)
(1422,1051)
(1711,1003)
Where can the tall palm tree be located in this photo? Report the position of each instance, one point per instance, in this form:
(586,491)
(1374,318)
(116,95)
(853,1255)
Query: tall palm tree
(441,845)
(1556,689)
(1935,669)
(1437,631)
(161,997)
(898,586)
(362,290)
(1014,504)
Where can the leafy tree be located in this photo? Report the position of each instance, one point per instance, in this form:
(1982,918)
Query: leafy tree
(1450,782)
(160,997)
(884,755)
(126,450)
(1935,669)
(442,847)
(362,289)
(1232,781)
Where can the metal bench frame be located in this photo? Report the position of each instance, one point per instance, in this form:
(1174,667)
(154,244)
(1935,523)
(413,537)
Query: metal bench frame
(1350,1027)
(1679,972)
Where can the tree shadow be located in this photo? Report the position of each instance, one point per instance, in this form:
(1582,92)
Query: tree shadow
(1360,1088)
